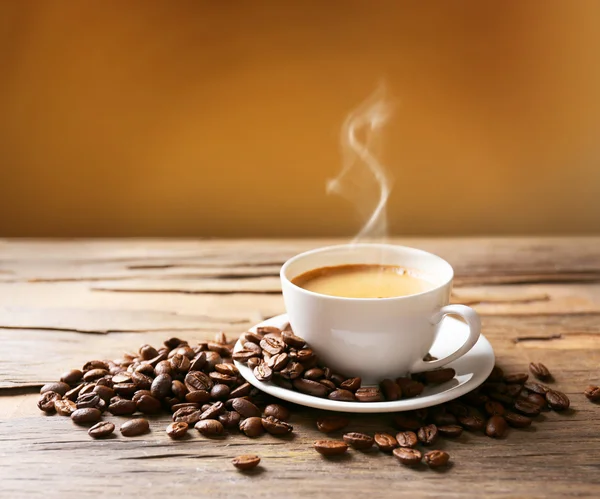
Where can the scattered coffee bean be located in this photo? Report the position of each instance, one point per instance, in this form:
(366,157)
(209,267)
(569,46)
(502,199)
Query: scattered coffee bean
(407,422)
(339,394)
(177,430)
(199,396)
(277,411)
(534,387)
(332,423)
(592,392)
(496,427)
(385,442)
(161,386)
(330,447)
(493,408)
(246,462)
(514,390)
(536,399)
(47,400)
(147,404)
(64,407)
(122,407)
(58,387)
(252,427)
(519,378)
(101,429)
(427,435)
(189,415)
(437,458)
(527,408)
(86,416)
(230,419)
(213,411)
(275,426)
(135,427)
(210,428)
(408,456)
(71,377)
(517,420)
(407,439)
(471,423)
(359,441)
(450,431)
(557,401)
(540,371)
(104,392)
(246,408)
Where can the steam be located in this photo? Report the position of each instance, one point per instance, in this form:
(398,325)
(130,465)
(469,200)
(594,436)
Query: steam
(363,179)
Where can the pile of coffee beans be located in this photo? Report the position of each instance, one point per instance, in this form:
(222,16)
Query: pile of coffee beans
(286,360)
(201,387)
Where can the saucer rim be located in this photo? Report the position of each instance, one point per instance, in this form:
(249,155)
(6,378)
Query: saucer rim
(367,407)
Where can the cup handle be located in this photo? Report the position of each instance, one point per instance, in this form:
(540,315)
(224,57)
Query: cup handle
(471,318)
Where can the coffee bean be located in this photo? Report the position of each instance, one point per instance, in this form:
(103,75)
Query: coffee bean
(142,381)
(540,371)
(536,399)
(198,396)
(474,398)
(210,428)
(147,352)
(351,384)
(262,372)
(161,386)
(497,374)
(245,462)
(519,378)
(177,430)
(189,415)
(471,423)
(244,355)
(513,390)
(246,408)
(122,407)
(450,431)
(64,407)
(359,441)
(58,387)
(493,408)
(71,377)
(88,400)
(197,380)
(409,387)
(95,364)
(101,429)
(369,394)
(501,397)
(253,362)
(438,376)
(213,411)
(437,458)
(85,416)
(279,362)
(104,392)
(342,395)
(176,407)
(250,337)
(125,389)
(241,391)
(148,404)
(407,439)
(427,435)
(332,423)
(135,427)
(557,400)
(219,392)
(225,379)
(252,427)
(534,387)
(163,367)
(230,419)
(408,456)
(277,411)
(275,426)
(74,393)
(313,374)
(292,340)
(337,379)
(272,345)
(94,374)
(330,447)
(444,419)
(527,408)
(180,363)
(218,348)
(330,385)
(385,442)
(390,389)
(496,427)
(592,392)
(307,358)
(272,330)
(407,422)
(517,420)
(310,387)
(228,369)
(293,370)
(47,400)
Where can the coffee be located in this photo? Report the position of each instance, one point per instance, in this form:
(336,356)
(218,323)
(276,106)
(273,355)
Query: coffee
(363,281)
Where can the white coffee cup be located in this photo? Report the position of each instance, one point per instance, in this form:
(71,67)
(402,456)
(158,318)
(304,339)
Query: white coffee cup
(374,338)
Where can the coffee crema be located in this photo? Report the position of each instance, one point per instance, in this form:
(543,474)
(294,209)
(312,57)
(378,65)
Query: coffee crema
(363,281)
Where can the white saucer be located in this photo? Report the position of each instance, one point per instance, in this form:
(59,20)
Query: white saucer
(472,369)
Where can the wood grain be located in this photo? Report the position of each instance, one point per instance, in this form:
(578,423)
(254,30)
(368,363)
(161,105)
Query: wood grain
(539,300)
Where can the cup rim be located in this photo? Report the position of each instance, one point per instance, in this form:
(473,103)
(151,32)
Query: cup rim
(323,249)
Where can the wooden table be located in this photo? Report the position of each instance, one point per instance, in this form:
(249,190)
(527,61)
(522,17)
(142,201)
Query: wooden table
(65,302)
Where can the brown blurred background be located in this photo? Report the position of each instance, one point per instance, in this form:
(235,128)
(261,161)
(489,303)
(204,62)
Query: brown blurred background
(221,118)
